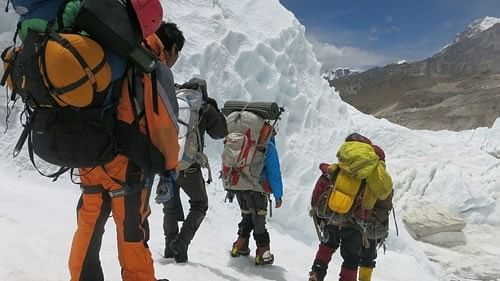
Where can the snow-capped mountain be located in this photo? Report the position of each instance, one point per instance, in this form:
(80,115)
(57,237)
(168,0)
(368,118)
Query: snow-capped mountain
(476,26)
(338,73)
(455,89)
(257,50)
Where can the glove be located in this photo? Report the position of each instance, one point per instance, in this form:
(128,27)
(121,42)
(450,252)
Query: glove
(212,102)
(196,84)
(229,196)
(278,203)
(165,187)
(312,212)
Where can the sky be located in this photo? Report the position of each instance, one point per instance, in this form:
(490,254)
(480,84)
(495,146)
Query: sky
(360,34)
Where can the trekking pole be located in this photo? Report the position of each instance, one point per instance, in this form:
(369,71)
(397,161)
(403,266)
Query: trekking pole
(282,109)
(270,207)
(317,227)
(229,197)
(395,222)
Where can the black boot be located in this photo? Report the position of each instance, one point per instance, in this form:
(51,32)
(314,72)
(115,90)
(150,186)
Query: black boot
(179,248)
(168,253)
(318,271)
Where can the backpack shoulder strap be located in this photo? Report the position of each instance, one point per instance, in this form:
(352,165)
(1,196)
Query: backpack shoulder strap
(154,82)
(334,175)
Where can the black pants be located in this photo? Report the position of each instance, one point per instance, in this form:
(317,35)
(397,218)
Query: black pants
(253,207)
(348,239)
(193,184)
(369,255)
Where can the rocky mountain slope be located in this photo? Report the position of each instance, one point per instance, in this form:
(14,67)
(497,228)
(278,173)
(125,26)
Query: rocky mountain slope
(456,89)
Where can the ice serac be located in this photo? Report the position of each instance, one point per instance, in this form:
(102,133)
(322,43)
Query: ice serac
(436,225)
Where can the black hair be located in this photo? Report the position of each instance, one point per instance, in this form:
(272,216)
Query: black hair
(170,34)
(358,137)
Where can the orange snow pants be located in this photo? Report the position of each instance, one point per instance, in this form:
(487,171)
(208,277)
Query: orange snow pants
(116,188)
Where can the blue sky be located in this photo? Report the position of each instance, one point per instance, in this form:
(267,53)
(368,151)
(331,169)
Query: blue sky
(365,33)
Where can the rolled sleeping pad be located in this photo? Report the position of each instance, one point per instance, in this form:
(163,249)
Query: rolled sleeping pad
(266,110)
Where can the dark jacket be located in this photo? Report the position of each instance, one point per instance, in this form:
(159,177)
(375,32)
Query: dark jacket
(322,184)
(213,122)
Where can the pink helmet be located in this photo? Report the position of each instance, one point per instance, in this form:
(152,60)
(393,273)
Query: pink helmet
(149,13)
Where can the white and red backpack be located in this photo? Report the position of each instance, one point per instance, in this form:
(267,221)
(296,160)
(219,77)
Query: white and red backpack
(244,153)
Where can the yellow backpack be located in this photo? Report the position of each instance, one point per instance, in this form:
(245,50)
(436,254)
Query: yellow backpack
(358,159)
(344,190)
(360,175)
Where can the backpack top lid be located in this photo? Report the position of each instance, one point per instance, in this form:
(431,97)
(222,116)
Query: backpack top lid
(357,158)
(149,13)
(360,138)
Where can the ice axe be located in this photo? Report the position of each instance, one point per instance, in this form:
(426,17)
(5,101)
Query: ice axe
(317,225)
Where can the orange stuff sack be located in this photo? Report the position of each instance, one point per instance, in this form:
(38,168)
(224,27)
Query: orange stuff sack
(74,69)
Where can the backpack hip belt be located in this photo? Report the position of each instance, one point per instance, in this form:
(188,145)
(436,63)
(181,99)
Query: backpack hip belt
(124,191)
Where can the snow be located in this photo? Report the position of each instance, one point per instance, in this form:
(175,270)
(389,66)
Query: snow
(487,22)
(338,73)
(257,50)
(476,27)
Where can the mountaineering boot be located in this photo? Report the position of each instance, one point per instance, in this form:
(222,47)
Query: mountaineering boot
(313,276)
(263,256)
(168,253)
(365,273)
(240,247)
(318,271)
(179,248)
(347,274)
